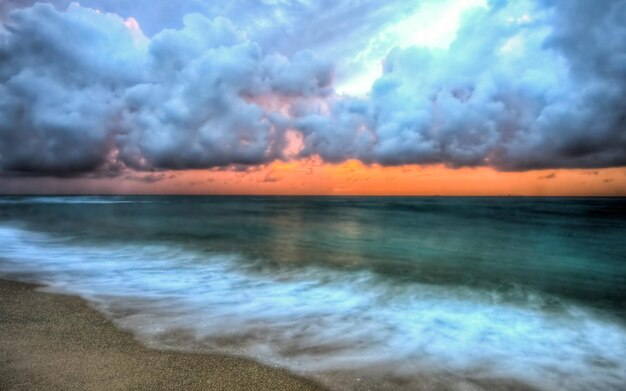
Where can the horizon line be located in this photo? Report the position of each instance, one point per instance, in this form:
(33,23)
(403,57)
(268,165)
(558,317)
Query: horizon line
(303,195)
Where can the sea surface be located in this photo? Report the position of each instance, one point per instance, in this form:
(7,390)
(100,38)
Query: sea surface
(357,292)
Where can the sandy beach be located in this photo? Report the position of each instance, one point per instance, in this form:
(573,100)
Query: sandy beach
(57,342)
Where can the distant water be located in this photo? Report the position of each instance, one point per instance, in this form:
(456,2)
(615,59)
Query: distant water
(452,292)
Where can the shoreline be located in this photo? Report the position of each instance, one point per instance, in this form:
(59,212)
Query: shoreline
(57,342)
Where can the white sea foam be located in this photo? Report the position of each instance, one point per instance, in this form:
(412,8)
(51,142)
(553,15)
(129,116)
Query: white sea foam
(71,200)
(318,320)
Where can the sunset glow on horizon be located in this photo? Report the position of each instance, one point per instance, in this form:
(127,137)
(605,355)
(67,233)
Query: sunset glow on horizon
(352,178)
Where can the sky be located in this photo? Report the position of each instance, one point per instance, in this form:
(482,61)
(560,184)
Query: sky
(424,97)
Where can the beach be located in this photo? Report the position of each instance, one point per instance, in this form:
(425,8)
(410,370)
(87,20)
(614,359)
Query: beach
(397,294)
(57,342)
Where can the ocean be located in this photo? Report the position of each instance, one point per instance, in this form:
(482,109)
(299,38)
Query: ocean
(356,292)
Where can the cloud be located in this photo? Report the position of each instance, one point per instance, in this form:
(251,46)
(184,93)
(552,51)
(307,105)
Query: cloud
(271,177)
(548,176)
(525,85)
(81,88)
(62,79)
(148,178)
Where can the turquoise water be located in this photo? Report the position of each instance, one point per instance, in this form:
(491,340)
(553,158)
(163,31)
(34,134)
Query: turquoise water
(527,289)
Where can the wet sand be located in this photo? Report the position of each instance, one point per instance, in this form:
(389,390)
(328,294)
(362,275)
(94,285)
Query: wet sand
(57,342)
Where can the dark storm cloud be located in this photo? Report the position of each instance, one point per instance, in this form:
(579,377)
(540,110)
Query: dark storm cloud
(525,85)
(63,76)
(82,90)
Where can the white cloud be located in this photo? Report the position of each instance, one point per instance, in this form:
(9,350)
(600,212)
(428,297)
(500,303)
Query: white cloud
(545,92)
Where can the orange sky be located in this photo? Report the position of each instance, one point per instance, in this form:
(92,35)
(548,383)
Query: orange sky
(352,177)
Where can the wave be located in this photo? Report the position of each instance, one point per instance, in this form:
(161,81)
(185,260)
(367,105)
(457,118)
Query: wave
(70,200)
(316,320)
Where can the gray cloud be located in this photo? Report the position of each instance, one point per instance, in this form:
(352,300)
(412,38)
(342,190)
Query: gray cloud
(147,178)
(59,100)
(526,85)
(81,90)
